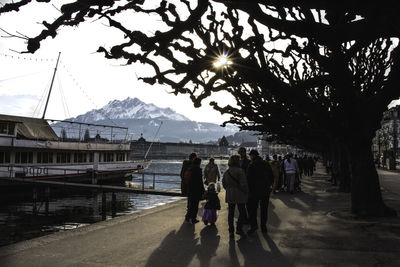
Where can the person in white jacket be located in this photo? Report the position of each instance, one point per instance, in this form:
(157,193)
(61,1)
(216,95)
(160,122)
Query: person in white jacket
(291,167)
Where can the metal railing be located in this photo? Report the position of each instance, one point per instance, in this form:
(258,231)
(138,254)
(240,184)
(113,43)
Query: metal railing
(153,180)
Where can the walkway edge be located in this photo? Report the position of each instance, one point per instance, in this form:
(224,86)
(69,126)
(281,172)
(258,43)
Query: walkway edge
(43,240)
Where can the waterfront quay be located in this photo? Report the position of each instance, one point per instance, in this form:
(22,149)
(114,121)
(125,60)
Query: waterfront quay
(309,228)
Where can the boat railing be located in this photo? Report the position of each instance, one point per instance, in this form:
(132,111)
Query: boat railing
(70,131)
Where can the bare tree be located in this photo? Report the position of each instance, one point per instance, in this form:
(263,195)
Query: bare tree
(313,73)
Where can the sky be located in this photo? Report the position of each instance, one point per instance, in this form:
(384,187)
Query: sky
(85,80)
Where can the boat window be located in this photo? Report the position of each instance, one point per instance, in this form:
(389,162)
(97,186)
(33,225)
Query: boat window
(121,156)
(45,157)
(63,157)
(7,128)
(23,157)
(91,156)
(4,156)
(79,157)
(107,157)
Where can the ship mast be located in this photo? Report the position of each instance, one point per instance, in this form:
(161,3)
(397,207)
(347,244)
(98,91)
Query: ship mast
(51,86)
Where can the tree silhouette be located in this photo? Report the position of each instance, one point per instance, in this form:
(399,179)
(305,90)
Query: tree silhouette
(318,74)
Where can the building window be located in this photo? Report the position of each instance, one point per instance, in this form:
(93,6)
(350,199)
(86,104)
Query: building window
(45,157)
(23,157)
(63,157)
(4,156)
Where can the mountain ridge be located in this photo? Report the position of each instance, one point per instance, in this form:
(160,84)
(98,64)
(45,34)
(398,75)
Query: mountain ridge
(130,108)
(144,120)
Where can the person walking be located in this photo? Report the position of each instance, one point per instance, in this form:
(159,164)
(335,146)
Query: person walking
(195,191)
(186,172)
(276,169)
(211,172)
(235,183)
(210,212)
(260,180)
(244,160)
(290,166)
(244,163)
(185,177)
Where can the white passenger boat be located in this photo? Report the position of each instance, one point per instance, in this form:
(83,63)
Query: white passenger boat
(30,148)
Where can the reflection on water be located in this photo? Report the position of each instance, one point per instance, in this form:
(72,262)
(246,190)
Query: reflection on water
(61,209)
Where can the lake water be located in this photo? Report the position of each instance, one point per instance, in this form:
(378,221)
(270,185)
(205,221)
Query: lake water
(67,208)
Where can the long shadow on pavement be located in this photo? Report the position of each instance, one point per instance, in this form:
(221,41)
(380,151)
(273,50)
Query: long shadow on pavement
(209,242)
(255,254)
(177,249)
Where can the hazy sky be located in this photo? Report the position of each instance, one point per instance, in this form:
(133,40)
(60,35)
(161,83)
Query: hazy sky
(85,79)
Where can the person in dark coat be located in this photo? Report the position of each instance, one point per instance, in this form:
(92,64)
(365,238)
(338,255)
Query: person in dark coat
(260,180)
(244,160)
(244,164)
(185,172)
(185,177)
(195,191)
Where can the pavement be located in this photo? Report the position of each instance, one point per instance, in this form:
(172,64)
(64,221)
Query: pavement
(309,228)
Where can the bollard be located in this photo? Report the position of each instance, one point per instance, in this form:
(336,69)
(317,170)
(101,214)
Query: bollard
(154,181)
(142,181)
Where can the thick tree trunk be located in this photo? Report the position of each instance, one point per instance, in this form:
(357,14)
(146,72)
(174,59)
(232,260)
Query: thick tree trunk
(366,197)
(345,180)
(340,167)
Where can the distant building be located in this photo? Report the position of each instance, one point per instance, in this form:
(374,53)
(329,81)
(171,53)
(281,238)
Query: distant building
(249,145)
(270,148)
(385,145)
(159,150)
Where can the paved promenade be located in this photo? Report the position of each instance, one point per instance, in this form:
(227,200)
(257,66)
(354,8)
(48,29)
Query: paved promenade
(310,228)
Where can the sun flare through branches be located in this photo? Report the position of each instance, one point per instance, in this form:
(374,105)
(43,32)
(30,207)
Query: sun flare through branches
(222,61)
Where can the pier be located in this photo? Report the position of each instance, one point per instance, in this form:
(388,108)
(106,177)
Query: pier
(138,186)
(106,188)
(309,228)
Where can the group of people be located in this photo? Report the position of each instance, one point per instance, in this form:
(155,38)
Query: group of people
(192,186)
(289,170)
(248,183)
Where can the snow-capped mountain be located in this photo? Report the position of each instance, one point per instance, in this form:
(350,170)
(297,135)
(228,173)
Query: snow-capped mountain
(142,118)
(130,108)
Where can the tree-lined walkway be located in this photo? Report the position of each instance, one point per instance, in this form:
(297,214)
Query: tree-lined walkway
(310,228)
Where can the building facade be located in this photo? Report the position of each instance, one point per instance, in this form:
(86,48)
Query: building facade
(157,150)
(385,146)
